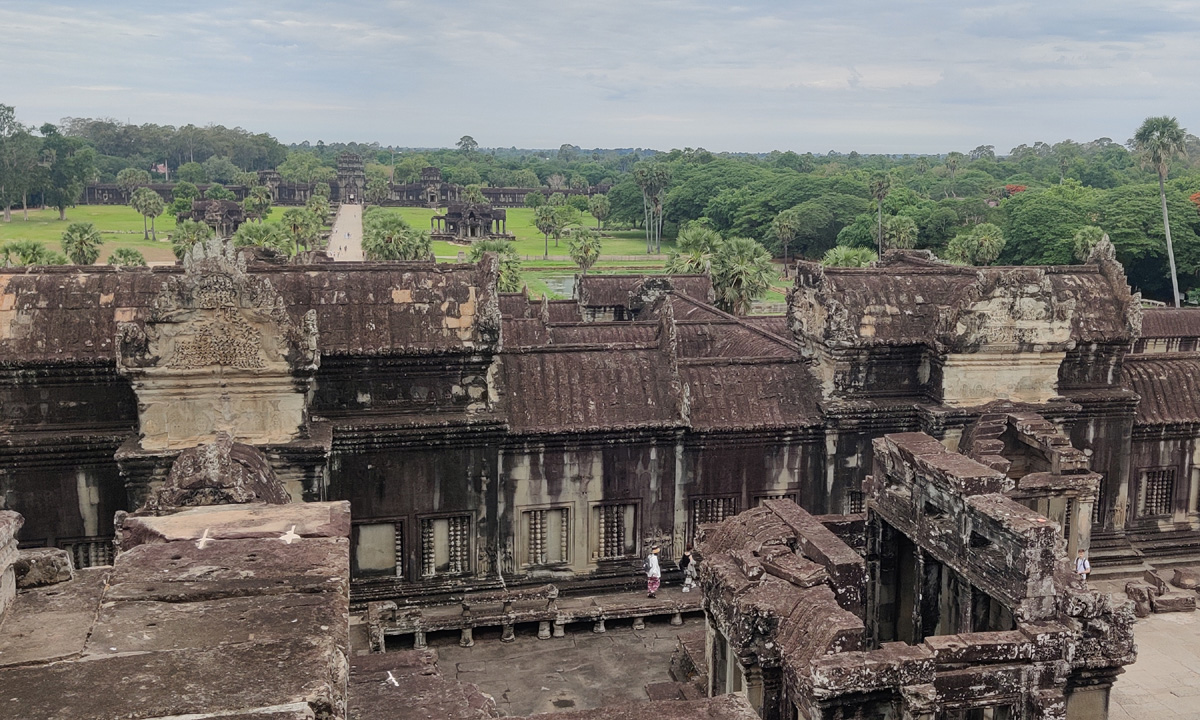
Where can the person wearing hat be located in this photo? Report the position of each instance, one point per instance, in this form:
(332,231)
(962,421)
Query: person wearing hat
(653,572)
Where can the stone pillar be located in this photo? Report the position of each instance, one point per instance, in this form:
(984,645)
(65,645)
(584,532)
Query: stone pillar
(599,626)
(639,623)
(544,630)
(419,640)
(507,634)
(10,523)
(466,639)
(559,628)
(677,619)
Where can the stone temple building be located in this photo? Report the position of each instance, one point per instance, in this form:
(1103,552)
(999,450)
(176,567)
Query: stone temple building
(928,440)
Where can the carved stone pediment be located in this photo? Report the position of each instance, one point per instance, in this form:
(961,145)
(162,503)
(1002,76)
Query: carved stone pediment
(1016,310)
(218,352)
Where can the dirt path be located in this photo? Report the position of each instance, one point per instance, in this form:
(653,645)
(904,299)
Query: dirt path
(345,240)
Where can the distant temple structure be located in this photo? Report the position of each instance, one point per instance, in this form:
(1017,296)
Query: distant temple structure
(470,221)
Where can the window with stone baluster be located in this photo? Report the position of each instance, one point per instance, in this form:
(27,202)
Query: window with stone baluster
(1158,492)
(545,536)
(446,545)
(614,531)
(377,549)
(709,510)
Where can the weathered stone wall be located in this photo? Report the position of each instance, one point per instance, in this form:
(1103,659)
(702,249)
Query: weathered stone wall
(10,523)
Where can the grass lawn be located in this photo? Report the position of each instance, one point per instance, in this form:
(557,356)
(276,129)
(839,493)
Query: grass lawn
(44,226)
(529,241)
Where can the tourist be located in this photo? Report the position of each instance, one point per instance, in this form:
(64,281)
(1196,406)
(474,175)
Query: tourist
(1082,567)
(653,573)
(688,566)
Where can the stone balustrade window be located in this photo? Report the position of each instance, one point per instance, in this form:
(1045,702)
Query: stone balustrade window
(710,510)
(615,531)
(1158,492)
(547,536)
(378,549)
(446,545)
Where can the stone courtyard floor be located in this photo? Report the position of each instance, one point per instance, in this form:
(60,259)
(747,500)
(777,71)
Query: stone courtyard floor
(1164,683)
(581,671)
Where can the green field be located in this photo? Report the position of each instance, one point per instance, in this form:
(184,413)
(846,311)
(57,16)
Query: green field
(529,241)
(120,225)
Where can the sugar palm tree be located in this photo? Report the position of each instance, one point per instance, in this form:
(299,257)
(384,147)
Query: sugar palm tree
(268,236)
(1158,141)
(510,261)
(187,234)
(127,257)
(81,242)
(26,252)
(881,185)
(584,247)
(150,204)
(786,225)
(846,256)
(742,273)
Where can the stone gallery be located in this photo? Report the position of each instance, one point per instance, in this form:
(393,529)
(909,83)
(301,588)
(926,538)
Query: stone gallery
(884,485)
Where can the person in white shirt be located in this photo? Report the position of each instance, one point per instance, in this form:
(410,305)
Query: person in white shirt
(653,573)
(1082,566)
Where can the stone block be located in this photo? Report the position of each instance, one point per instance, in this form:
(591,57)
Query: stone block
(10,523)
(1186,579)
(1140,593)
(43,566)
(52,622)
(236,522)
(1174,601)
(213,569)
(1157,580)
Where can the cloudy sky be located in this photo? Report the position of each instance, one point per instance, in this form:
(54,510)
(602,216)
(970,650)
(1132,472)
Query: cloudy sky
(813,75)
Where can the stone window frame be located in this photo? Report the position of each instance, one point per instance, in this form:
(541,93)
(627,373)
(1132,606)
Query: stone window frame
(401,546)
(854,502)
(568,533)
(420,566)
(1147,504)
(594,529)
(789,494)
(89,550)
(693,523)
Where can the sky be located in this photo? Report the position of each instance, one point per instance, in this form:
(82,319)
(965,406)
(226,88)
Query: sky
(808,76)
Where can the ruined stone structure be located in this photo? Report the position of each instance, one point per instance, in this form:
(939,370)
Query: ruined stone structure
(966,605)
(351,178)
(466,222)
(483,438)
(223,216)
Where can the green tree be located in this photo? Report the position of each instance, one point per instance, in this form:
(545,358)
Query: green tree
(221,169)
(389,237)
(652,178)
(187,234)
(71,165)
(545,220)
(150,204)
(321,189)
(881,185)
(786,226)
(246,179)
(526,178)
(257,204)
(20,172)
(510,261)
(579,202)
(599,207)
(28,252)
(467,145)
(266,235)
(741,274)
(583,245)
(81,242)
(900,232)
(127,257)
(1085,240)
(1158,141)
(846,256)
(303,227)
(192,172)
(318,205)
(181,198)
(217,191)
(534,200)
(378,189)
(473,194)
(131,179)
(304,168)
(556,199)
(695,248)
(981,246)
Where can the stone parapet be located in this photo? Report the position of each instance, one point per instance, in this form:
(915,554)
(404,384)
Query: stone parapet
(10,523)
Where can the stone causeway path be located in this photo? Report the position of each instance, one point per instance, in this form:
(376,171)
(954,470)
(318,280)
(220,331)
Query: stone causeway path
(345,240)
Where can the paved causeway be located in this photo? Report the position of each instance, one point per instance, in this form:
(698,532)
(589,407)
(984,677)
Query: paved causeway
(345,240)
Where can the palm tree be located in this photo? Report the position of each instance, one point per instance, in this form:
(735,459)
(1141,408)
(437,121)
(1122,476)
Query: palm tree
(1159,140)
(695,248)
(150,204)
(981,246)
(81,242)
(652,178)
(544,221)
(127,257)
(388,237)
(900,231)
(26,252)
(786,225)
(267,236)
(846,256)
(600,207)
(510,262)
(303,226)
(742,273)
(881,185)
(257,203)
(187,234)
(584,248)
(1086,239)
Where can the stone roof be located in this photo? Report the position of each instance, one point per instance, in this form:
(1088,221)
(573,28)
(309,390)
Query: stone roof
(749,395)
(913,299)
(589,388)
(70,315)
(1170,322)
(614,290)
(597,332)
(774,324)
(1169,387)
